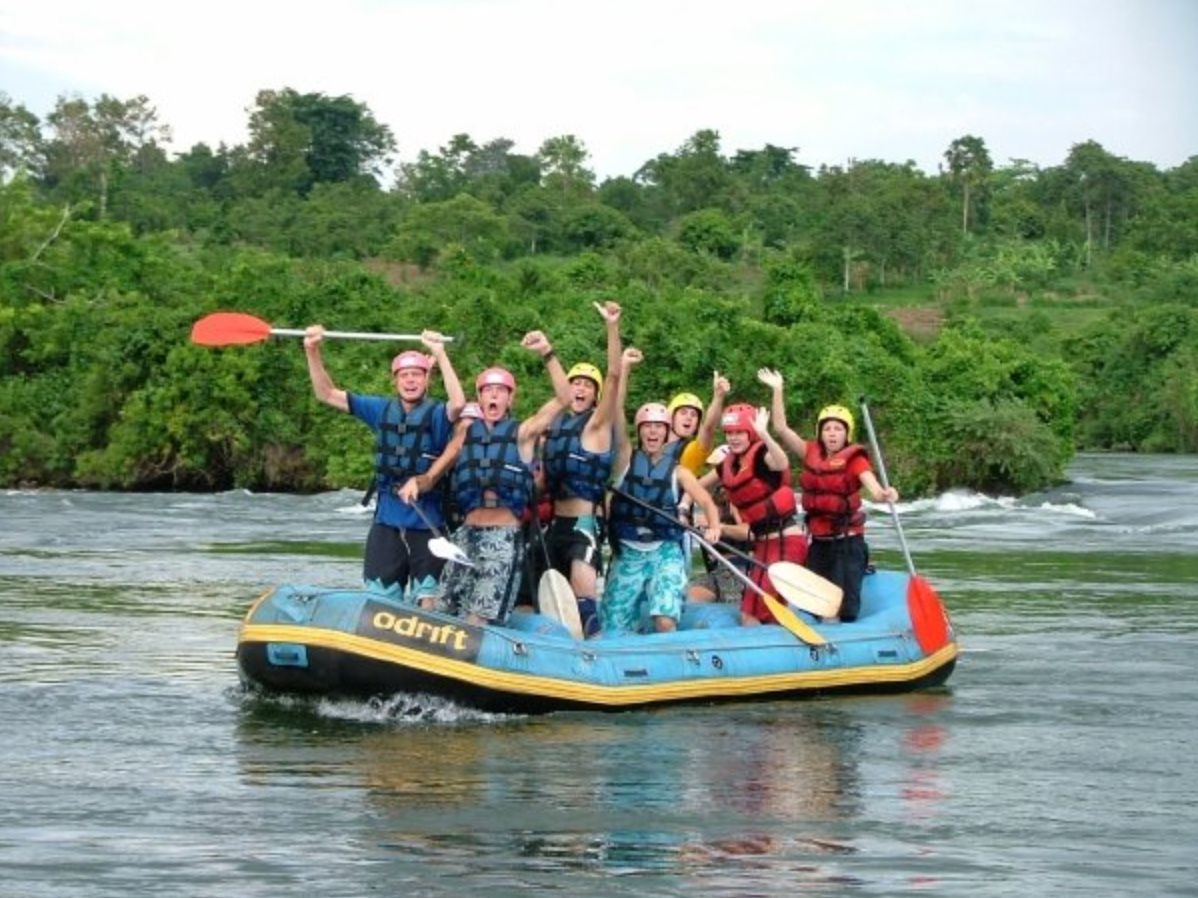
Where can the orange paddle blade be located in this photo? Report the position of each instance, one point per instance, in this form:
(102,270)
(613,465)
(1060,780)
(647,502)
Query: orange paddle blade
(929,620)
(229,329)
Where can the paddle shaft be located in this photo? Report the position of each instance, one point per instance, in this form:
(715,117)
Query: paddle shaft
(694,531)
(349,335)
(873,444)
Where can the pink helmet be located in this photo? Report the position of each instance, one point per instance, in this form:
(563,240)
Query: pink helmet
(496,375)
(740,417)
(652,413)
(411,359)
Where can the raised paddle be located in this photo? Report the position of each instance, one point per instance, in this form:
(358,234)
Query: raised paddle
(239,328)
(928,616)
(439,545)
(787,618)
(802,588)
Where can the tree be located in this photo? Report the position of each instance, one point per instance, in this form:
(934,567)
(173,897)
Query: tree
(299,140)
(969,167)
(90,140)
(20,138)
(562,160)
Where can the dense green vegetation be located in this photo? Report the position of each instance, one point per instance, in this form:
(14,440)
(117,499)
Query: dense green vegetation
(998,317)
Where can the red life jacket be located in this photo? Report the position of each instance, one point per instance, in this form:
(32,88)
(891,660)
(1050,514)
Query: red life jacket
(832,496)
(760,500)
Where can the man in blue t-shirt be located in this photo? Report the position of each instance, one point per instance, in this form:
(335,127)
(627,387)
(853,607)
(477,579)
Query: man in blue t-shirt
(411,432)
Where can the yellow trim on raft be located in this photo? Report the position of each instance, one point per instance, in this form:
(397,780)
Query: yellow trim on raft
(595,693)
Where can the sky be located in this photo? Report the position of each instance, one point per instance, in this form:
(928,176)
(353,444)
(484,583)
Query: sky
(837,79)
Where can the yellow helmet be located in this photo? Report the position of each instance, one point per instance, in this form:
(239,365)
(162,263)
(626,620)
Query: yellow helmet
(590,372)
(685,400)
(836,413)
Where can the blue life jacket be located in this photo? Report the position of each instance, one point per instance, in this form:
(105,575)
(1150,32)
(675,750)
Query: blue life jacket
(490,460)
(571,470)
(653,484)
(405,443)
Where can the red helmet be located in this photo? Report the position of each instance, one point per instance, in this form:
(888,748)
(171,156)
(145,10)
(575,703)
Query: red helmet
(740,417)
(496,375)
(411,359)
(652,413)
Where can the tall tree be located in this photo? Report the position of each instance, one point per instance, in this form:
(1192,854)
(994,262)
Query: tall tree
(20,138)
(563,159)
(969,167)
(91,139)
(308,139)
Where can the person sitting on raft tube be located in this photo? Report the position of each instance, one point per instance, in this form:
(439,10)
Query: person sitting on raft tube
(755,474)
(411,430)
(649,569)
(835,469)
(492,485)
(577,459)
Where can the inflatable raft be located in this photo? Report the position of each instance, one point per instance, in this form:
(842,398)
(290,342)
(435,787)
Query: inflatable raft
(353,643)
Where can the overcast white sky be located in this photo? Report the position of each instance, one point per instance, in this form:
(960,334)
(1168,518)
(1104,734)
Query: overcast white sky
(634,78)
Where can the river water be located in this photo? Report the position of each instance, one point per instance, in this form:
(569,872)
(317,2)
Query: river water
(1062,759)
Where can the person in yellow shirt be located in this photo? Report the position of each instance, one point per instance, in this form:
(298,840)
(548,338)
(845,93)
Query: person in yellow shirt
(692,432)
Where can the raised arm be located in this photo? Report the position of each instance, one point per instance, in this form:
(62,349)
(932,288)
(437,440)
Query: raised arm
(775,455)
(628,359)
(605,412)
(789,438)
(456,398)
(531,428)
(536,341)
(719,389)
(322,385)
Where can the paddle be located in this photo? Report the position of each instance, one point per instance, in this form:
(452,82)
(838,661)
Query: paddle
(802,588)
(238,328)
(783,615)
(929,619)
(439,545)
(555,596)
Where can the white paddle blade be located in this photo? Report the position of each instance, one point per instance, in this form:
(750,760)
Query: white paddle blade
(806,590)
(556,599)
(443,548)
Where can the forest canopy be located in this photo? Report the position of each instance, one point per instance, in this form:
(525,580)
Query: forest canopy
(999,317)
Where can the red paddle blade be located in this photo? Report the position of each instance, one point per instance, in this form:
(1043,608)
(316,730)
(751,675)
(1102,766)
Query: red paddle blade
(929,620)
(229,329)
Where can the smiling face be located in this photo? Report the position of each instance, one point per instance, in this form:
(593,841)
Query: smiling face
(495,401)
(686,421)
(583,393)
(653,436)
(833,435)
(738,441)
(411,384)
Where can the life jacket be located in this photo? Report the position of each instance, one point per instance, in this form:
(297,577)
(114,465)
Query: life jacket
(571,470)
(763,502)
(405,443)
(490,461)
(831,496)
(653,484)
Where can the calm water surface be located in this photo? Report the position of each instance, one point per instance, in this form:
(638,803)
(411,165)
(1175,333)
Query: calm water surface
(1062,759)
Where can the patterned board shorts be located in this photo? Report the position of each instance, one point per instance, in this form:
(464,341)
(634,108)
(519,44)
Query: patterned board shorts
(641,583)
(489,588)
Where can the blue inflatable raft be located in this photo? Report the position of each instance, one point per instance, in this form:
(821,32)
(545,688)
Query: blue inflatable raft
(305,640)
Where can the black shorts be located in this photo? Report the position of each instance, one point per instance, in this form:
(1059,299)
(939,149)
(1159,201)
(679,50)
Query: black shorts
(844,562)
(575,539)
(399,561)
